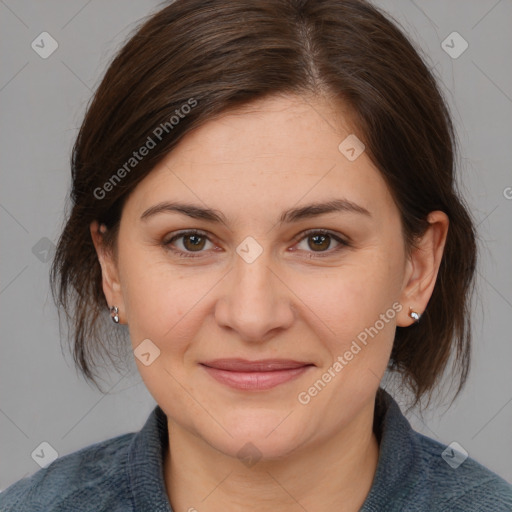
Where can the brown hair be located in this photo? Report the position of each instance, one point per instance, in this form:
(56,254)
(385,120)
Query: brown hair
(218,55)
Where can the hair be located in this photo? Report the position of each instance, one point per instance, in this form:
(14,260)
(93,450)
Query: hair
(220,55)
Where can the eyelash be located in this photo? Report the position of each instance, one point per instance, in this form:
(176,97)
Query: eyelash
(299,238)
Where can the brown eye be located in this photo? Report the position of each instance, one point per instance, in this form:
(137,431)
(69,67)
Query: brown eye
(191,242)
(320,242)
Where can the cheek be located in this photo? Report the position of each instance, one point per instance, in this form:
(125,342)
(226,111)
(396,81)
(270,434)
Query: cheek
(360,306)
(156,296)
(164,307)
(355,295)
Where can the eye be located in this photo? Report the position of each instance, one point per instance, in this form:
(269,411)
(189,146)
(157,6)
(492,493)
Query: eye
(192,241)
(320,240)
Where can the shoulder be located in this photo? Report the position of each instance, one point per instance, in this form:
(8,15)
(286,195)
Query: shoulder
(457,482)
(416,473)
(93,478)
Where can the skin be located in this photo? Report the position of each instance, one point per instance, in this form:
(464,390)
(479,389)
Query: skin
(291,303)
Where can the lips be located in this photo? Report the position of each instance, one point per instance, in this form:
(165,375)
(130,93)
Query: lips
(265,365)
(262,375)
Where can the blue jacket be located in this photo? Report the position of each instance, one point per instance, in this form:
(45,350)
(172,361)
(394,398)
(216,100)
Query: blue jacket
(125,474)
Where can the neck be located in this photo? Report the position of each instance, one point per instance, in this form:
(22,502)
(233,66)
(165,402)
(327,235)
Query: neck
(336,472)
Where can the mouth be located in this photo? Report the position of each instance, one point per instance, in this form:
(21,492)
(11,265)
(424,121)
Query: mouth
(255,375)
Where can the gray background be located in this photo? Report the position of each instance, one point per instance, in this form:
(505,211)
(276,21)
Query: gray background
(42,104)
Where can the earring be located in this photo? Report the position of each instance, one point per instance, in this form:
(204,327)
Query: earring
(414,315)
(114,313)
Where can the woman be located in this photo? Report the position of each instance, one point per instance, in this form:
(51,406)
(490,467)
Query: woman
(263,193)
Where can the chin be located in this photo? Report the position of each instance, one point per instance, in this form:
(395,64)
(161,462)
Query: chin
(258,436)
(252,450)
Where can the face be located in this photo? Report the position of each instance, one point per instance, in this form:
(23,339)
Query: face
(261,277)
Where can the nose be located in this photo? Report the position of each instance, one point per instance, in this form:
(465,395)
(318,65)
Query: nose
(256,301)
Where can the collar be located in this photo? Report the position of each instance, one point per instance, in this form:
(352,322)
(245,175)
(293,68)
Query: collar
(146,465)
(399,465)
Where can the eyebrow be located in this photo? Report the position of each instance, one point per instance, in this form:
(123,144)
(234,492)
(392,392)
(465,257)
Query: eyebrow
(288,216)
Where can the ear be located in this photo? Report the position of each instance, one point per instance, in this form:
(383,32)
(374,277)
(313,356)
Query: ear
(109,270)
(422,268)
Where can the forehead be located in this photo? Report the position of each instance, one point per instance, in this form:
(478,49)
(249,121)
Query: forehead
(279,151)
(284,127)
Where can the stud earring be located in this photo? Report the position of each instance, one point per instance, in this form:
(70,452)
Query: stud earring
(414,315)
(114,313)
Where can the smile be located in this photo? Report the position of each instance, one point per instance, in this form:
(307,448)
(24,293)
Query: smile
(255,375)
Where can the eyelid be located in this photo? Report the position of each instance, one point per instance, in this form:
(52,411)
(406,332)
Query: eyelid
(177,234)
(337,236)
